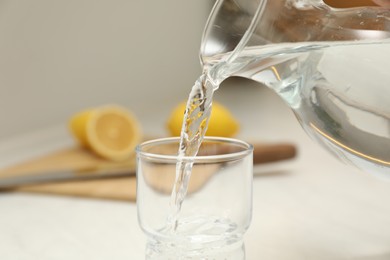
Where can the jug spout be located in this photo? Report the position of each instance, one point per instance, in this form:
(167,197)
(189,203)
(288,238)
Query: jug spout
(227,24)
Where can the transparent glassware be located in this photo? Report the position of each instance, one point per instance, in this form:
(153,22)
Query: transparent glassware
(217,209)
(330,65)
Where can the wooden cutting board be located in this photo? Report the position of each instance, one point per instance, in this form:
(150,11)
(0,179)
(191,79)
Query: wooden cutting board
(111,189)
(79,160)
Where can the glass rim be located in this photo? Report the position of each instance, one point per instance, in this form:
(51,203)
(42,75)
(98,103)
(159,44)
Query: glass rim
(247,149)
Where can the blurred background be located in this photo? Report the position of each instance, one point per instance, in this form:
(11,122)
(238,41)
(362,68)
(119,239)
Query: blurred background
(59,57)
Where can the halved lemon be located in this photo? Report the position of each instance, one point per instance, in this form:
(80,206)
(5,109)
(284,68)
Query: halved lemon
(111,131)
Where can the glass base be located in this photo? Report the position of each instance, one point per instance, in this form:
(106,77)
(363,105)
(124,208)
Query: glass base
(157,250)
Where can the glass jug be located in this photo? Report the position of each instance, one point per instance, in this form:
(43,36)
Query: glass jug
(331,65)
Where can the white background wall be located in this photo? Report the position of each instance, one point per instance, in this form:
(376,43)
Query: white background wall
(58,57)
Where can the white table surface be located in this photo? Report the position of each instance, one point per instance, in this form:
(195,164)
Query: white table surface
(313,207)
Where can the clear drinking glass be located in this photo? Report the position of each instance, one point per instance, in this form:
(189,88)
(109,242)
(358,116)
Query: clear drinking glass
(217,208)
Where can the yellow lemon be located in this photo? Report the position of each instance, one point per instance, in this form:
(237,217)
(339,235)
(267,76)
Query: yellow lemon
(110,131)
(221,123)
